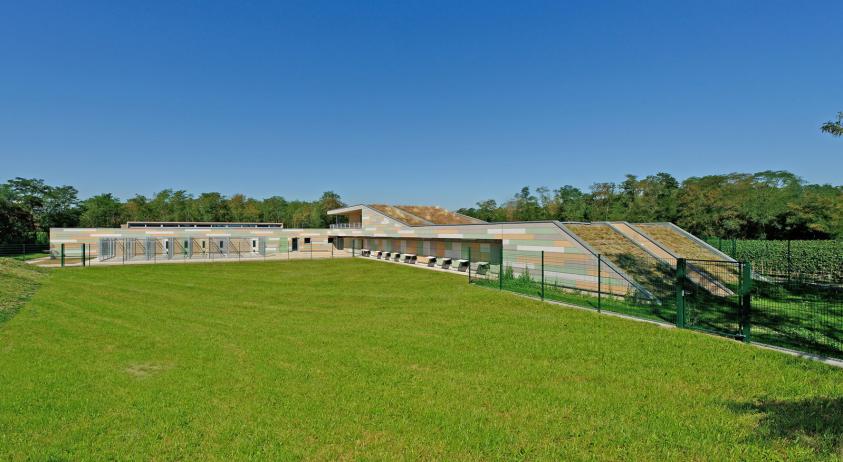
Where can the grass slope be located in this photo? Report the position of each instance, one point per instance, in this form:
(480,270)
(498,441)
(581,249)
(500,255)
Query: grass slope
(353,359)
(18,281)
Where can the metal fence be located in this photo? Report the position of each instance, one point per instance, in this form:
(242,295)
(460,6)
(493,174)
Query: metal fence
(24,251)
(122,251)
(719,297)
(813,260)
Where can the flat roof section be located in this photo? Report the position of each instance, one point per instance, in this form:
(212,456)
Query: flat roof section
(199,224)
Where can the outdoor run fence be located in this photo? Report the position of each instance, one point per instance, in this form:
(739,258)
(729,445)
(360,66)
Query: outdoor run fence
(24,251)
(722,297)
(118,251)
(810,260)
(719,297)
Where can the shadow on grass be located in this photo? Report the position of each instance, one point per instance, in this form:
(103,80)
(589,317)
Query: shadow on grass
(816,422)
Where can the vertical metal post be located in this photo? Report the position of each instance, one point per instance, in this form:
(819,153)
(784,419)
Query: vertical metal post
(680,291)
(746,299)
(500,271)
(542,274)
(62,255)
(599,282)
(789,261)
(469,264)
(83,255)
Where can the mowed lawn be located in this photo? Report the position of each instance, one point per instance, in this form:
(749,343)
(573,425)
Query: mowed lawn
(354,359)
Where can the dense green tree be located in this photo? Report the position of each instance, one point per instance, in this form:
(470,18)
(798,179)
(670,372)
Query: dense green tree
(570,204)
(16,222)
(47,206)
(769,204)
(834,128)
(101,211)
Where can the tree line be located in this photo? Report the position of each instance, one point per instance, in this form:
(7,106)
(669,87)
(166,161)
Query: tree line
(763,205)
(30,207)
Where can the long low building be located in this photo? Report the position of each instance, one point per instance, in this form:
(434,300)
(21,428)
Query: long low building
(572,254)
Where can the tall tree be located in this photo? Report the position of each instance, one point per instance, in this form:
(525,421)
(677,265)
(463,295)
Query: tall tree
(101,211)
(16,222)
(834,128)
(49,206)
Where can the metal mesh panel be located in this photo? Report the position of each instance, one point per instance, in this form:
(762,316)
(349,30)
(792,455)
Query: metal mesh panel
(713,299)
(805,314)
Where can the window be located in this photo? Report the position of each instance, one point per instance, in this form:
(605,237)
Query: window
(307,240)
(330,240)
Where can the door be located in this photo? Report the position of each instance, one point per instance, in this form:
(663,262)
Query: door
(295,244)
(254,246)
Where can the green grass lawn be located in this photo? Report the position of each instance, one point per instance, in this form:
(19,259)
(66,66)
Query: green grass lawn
(18,282)
(355,359)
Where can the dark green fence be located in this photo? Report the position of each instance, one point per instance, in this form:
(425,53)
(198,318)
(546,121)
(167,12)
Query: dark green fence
(815,260)
(24,251)
(720,297)
(804,314)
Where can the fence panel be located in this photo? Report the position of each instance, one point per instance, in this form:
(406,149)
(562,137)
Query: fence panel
(585,280)
(804,314)
(24,251)
(713,297)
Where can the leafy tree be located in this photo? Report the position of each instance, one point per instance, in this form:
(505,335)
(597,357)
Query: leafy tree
(524,207)
(48,206)
(16,222)
(570,204)
(768,204)
(834,128)
(101,211)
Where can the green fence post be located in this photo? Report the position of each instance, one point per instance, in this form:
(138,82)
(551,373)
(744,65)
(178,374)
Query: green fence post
(469,264)
(353,248)
(789,261)
(746,300)
(542,274)
(83,255)
(62,255)
(680,292)
(599,283)
(500,272)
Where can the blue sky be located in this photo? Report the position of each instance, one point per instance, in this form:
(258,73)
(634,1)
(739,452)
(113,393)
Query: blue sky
(470,100)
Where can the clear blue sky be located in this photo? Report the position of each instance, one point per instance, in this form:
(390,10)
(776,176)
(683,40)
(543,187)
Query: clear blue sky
(469,100)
